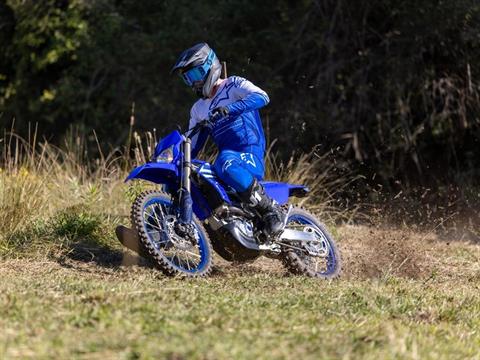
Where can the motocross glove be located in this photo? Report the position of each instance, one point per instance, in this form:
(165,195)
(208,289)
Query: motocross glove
(206,123)
(218,113)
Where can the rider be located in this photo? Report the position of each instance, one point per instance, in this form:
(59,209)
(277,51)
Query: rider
(232,106)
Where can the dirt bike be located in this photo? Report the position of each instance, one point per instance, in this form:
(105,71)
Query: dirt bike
(178,226)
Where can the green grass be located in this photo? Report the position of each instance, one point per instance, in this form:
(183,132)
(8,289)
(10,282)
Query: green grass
(68,291)
(89,311)
(74,228)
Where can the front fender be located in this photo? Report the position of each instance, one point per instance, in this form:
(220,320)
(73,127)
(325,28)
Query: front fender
(159,173)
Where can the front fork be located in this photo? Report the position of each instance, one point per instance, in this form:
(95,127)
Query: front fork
(185,196)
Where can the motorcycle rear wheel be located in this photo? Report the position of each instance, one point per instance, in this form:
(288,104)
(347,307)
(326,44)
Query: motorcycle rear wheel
(297,258)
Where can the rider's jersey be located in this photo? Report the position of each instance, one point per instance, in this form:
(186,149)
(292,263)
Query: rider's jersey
(242,129)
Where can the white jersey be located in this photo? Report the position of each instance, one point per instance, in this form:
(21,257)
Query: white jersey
(243,126)
(230,90)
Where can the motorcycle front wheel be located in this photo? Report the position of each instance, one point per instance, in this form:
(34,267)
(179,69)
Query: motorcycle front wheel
(154,216)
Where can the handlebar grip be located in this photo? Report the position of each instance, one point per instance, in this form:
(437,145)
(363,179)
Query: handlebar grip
(199,126)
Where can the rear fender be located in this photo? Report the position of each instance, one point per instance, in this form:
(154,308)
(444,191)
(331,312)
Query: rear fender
(280,192)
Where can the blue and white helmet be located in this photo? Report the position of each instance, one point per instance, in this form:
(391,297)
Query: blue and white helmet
(200,68)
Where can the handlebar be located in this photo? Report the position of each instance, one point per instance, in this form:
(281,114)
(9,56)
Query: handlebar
(195,129)
(203,123)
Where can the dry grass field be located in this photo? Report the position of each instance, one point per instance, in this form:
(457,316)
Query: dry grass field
(69,290)
(398,298)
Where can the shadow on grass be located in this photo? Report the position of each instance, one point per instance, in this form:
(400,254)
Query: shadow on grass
(85,251)
(76,235)
(71,234)
(102,255)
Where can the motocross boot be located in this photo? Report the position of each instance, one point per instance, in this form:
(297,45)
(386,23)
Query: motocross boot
(256,199)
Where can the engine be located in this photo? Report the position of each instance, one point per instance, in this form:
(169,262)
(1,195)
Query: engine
(233,238)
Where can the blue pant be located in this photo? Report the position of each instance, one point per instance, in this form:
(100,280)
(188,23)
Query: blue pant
(238,169)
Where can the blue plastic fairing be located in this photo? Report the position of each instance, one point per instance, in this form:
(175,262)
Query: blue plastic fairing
(175,139)
(200,204)
(159,173)
(280,192)
(207,172)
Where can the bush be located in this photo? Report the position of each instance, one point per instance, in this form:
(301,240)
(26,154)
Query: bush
(393,84)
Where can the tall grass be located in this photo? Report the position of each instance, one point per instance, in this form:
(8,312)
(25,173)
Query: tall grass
(41,183)
(315,170)
(319,173)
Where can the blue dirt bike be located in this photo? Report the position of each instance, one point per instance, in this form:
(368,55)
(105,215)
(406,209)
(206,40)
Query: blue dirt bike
(177,227)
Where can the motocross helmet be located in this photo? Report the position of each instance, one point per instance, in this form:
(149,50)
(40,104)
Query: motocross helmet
(199,68)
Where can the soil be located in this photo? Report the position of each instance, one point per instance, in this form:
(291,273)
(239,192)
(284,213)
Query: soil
(369,253)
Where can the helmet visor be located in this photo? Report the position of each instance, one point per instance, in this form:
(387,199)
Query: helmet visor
(193,75)
(198,73)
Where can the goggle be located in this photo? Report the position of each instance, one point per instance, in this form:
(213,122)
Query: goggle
(199,72)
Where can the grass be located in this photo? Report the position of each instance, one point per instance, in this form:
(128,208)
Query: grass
(42,185)
(69,290)
(87,311)
(50,196)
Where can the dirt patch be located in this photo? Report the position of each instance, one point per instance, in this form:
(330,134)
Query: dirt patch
(366,253)
(375,252)
(370,252)
(260,266)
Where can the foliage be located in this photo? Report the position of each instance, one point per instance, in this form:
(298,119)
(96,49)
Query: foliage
(54,198)
(393,84)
